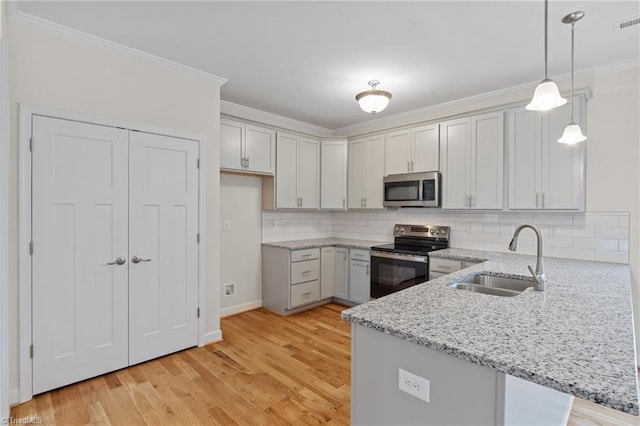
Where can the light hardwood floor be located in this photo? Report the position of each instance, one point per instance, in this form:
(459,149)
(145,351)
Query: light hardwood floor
(269,370)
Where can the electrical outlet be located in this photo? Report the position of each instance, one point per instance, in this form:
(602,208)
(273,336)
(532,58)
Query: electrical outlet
(413,385)
(226,225)
(229,289)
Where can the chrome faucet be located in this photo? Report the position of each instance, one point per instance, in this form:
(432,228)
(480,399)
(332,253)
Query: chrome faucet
(538,275)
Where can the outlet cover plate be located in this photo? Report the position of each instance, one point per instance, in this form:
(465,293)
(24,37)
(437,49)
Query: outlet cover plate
(414,385)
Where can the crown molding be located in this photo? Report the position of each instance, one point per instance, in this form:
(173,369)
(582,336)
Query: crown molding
(30,21)
(275,120)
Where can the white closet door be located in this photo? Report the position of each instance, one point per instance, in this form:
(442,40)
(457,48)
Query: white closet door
(79,225)
(163,226)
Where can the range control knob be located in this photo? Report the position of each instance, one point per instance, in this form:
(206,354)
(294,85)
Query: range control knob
(432,232)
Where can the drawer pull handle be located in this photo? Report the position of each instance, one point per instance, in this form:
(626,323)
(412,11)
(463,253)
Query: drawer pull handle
(306,255)
(306,272)
(306,294)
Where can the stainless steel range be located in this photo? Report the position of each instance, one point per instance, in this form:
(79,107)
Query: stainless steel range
(405,263)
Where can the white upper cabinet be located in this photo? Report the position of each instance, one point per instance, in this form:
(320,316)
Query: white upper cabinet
(425,152)
(366,171)
(397,146)
(333,174)
(297,173)
(412,150)
(472,162)
(545,174)
(309,173)
(245,147)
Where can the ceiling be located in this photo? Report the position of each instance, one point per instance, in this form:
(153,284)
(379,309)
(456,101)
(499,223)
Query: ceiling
(307,60)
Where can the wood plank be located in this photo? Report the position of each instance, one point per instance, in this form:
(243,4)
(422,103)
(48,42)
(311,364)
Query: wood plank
(268,370)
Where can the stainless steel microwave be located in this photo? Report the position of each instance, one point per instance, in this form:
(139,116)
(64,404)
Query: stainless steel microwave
(412,190)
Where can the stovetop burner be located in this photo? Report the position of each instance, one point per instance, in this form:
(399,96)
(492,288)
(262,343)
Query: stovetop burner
(416,239)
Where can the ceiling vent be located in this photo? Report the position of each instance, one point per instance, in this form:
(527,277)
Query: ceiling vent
(627,23)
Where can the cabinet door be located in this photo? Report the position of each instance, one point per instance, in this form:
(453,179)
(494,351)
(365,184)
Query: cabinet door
(374,173)
(487,174)
(286,171)
(525,156)
(327,272)
(260,148)
(231,140)
(333,175)
(398,152)
(355,198)
(309,173)
(359,285)
(455,148)
(341,273)
(426,148)
(562,165)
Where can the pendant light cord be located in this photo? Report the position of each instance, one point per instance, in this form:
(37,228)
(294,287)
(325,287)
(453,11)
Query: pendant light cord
(573,24)
(546,19)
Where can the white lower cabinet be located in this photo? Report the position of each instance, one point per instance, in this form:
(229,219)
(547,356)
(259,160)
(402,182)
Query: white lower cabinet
(290,279)
(359,276)
(327,265)
(341,273)
(296,280)
(441,266)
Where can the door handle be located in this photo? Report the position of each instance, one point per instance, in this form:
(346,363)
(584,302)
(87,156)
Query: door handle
(118,261)
(138,259)
(408,166)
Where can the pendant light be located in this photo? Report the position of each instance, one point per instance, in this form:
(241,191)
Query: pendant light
(373,100)
(572,133)
(546,96)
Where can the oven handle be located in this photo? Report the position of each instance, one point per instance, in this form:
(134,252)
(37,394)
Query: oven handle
(407,257)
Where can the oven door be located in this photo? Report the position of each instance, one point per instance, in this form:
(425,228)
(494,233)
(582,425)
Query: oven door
(391,272)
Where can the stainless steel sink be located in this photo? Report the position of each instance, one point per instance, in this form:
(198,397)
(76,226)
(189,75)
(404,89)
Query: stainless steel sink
(491,284)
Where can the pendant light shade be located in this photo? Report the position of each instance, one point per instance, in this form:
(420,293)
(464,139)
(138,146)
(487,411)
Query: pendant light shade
(546,96)
(572,133)
(373,101)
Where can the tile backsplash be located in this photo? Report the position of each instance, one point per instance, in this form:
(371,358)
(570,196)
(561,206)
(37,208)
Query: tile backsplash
(590,236)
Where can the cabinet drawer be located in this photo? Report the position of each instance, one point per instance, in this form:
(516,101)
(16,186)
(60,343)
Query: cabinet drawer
(358,254)
(433,275)
(306,254)
(304,293)
(444,265)
(308,270)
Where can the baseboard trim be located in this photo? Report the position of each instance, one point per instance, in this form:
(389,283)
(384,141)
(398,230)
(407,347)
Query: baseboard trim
(240,308)
(212,336)
(14,397)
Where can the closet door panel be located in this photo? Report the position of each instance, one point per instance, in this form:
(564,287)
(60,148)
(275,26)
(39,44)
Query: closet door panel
(79,226)
(163,282)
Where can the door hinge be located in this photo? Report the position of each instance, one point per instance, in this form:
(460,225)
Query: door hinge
(198,238)
(31,248)
(31,144)
(198,163)
(31,351)
(198,313)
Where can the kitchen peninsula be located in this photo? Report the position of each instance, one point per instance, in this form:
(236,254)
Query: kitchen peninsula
(496,360)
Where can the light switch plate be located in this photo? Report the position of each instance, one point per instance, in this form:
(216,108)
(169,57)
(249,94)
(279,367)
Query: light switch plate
(414,385)
(226,225)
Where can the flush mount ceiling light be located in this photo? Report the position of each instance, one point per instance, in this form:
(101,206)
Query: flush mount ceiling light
(546,96)
(373,100)
(572,133)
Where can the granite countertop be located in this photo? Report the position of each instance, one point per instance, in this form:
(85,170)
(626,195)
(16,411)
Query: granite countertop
(575,337)
(323,242)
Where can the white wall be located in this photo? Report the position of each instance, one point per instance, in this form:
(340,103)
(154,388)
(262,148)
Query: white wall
(613,160)
(4,276)
(80,77)
(240,254)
